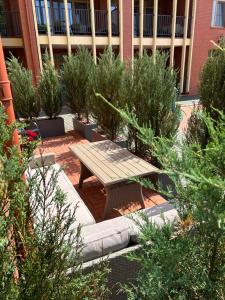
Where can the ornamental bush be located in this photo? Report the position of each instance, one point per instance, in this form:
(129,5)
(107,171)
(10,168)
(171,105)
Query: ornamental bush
(49,89)
(77,82)
(108,80)
(212,83)
(39,251)
(26,100)
(151,96)
(186,260)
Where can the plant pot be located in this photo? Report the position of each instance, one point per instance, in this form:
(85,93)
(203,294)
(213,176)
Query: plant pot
(97,136)
(84,129)
(51,128)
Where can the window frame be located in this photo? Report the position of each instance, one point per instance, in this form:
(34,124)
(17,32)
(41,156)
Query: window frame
(214,23)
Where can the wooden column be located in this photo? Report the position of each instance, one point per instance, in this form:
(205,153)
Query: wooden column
(109,18)
(194,4)
(37,35)
(141,24)
(93,29)
(184,48)
(173,32)
(155,26)
(49,33)
(29,37)
(67,27)
(121,27)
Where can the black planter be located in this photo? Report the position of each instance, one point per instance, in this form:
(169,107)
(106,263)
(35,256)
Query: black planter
(84,129)
(97,136)
(51,128)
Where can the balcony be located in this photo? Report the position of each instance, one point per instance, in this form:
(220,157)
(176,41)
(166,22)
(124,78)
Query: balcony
(164,28)
(10,24)
(79,21)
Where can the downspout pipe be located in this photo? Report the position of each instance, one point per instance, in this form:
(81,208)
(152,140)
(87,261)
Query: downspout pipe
(6,95)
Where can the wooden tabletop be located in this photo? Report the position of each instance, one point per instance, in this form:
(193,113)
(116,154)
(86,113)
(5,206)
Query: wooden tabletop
(110,163)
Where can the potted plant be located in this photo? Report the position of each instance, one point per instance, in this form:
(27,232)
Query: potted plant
(108,80)
(76,77)
(151,90)
(51,101)
(26,101)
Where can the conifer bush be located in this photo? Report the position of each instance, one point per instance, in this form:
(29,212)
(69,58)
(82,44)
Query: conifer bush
(151,95)
(108,80)
(49,89)
(212,83)
(39,250)
(77,82)
(184,260)
(26,100)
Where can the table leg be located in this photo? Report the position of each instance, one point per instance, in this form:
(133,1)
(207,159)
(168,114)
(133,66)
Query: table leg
(123,194)
(84,174)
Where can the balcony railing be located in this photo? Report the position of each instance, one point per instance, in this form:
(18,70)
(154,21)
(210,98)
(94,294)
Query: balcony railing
(164,28)
(164,25)
(148,25)
(80,20)
(115,22)
(10,24)
(101,23)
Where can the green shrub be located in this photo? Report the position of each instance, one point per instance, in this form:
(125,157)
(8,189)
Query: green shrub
(77,82)
(49,89)
(212,84)
(151,95)
(42,248)
(26,100)
(108,80)
(185,260)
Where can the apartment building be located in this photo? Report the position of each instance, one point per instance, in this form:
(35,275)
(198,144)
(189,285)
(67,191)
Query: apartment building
(184,28)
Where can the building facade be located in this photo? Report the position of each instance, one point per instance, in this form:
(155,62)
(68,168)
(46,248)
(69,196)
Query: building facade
(183,28)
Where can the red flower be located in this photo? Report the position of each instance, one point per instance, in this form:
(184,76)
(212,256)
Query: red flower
(32,134)
(30,139)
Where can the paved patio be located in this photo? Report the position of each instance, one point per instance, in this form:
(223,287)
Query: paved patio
(92,192)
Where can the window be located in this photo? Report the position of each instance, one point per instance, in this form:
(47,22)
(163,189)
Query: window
(218,17)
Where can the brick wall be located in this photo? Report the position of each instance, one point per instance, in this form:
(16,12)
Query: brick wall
(204,33)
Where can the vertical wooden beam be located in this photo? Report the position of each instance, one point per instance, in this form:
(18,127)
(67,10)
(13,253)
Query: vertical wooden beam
(174,21)
(194,5)
(67,27)
(93,29)
(155,27)
(121,27)
(132,31)
(49,32)
(29,37)
(141,24)
(184,48)
(109,17)
(37,35)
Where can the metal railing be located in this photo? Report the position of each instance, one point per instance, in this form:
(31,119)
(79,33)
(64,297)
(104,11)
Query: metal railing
(101,23)
(10,24)
(57,21)
(136,25)
(164,25)
(180,26)
(80,20)
(115,22)
(148,25)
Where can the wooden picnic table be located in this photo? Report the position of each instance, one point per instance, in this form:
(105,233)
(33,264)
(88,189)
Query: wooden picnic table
(113,166)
